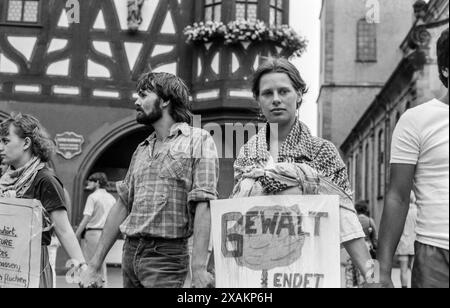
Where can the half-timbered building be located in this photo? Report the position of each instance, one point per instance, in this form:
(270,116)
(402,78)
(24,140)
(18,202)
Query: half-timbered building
(74,65)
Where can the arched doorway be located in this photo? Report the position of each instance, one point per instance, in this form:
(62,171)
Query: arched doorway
(111,155)
(114,162)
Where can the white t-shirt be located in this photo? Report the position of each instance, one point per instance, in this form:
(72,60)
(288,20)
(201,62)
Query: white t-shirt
(421,138)
(98,206)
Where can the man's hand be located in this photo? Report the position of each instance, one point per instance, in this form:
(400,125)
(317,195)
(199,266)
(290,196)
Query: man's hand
(91,278)
(202,279)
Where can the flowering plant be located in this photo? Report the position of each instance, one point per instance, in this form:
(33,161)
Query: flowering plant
(243,30)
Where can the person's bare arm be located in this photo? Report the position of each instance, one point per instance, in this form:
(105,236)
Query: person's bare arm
(92,276)
(394,217)
(82,226)
(66,236)
(202,230)
(110,233)
(357,249)
(374,234)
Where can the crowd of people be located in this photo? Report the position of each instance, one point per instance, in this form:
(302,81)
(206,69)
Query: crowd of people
(173,175)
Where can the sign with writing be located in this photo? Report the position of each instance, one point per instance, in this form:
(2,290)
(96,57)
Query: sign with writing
(69,144)
(277,242)
(20,243)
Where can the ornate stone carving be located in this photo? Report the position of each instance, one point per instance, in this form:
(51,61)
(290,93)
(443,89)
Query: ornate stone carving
(420,37)
(420,9)
(135,14)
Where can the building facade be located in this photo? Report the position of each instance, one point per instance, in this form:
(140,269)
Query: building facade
(74,65)
(414,80)
(356,58)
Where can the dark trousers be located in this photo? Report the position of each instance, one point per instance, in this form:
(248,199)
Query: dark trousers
(155,263)
(430,268)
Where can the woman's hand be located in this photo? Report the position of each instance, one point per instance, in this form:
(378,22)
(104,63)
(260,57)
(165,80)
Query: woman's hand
(91,278)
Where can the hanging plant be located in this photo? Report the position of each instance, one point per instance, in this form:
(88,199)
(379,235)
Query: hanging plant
(245,31)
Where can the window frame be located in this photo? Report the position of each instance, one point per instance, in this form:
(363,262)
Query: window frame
(408,106)
(213,5)
(246,3)
(366,31)
(367,171)
(381,158)
(4,18)
(277,10)
(358,176)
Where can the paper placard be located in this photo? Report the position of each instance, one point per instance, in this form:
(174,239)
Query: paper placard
(277,242)
(20,243)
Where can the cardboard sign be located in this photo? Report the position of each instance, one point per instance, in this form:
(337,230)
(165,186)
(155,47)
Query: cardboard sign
(20,243)
(277,242)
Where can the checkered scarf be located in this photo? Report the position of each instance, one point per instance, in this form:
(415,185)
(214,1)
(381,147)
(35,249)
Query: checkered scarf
(300,147)
(15,183)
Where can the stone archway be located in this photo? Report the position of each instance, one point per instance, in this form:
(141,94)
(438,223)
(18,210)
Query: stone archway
(102,144)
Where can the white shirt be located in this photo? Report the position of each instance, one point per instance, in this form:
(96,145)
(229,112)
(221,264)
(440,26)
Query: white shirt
(98,206)
(421,138)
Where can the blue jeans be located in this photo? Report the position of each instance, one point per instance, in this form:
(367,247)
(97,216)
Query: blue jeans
(155,263)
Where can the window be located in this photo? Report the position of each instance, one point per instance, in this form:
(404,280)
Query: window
(247,10)
(408,106)
(381,164)
(366,41)
(349,171)
(23,11)
(358,177)
(398,115)
(367,173)
(276,12)
(213,10)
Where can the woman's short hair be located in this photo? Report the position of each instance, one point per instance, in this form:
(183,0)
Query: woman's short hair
(442,55)
(27,126)
(278,65)
(169,87)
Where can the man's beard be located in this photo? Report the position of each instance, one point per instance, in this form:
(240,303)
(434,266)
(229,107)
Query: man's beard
(151,118)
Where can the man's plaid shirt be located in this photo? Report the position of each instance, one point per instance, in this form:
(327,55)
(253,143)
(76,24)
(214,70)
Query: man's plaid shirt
(161,189)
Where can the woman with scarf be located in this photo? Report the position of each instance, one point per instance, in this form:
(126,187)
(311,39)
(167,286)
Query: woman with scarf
(285,159)
(26,149)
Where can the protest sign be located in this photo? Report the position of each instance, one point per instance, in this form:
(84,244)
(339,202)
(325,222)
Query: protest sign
(277,242)
(20,243)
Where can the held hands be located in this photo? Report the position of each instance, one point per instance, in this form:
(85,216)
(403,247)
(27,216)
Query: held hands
(380,285)
(90,278)
(385,282)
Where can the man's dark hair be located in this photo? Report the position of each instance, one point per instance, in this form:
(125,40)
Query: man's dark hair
(362,207)
(168,87)
(442,55)
(100,178)
(278,65)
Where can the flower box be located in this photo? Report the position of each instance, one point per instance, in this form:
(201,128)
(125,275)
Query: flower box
(246,31)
